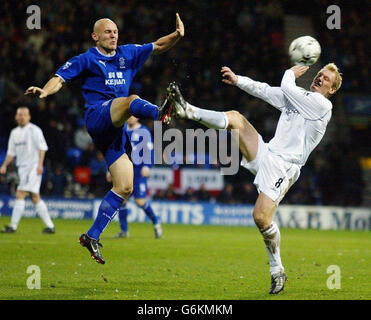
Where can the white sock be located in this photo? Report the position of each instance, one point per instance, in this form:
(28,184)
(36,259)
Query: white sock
(17,213)
(42,211)
(211,119)
(272,239)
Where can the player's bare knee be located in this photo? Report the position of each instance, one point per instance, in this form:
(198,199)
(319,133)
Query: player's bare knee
(261,217)
(20,195)
(235,120)
(35,198)
(140,202)
(124,191)
(127,192)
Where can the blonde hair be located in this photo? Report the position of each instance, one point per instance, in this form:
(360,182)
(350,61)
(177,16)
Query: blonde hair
(338,78)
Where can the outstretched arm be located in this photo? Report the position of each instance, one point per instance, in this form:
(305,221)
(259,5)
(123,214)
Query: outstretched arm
(272,95)
(165,43)
(51,87)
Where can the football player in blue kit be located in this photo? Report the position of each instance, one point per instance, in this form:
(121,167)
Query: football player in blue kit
(107,71)
(142,156)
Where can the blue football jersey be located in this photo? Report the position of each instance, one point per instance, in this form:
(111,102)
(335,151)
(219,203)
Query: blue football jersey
(106,77)
(142,147)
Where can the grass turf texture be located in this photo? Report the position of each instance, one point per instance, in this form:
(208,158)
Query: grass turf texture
(189,262)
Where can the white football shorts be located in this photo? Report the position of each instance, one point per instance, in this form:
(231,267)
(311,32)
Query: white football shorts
(29,180)
(273,175)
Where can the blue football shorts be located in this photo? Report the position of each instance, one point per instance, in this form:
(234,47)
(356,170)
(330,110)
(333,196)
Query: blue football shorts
(111,141)
(139,187)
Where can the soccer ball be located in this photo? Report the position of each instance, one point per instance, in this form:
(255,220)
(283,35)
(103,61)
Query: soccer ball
(304,51)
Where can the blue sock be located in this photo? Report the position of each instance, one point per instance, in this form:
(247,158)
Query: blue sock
(123,213)
(143,109)
(107,211)
(149,212)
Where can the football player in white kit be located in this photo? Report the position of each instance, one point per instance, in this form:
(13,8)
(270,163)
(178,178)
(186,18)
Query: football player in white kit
(27,144)
(276,164)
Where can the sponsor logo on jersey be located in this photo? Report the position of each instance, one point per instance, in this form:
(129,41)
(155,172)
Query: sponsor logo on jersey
(290,108)
(115,78)
(114,82)
(21,143)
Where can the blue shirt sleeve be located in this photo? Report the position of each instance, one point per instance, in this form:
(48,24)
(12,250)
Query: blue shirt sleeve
(72,68)
(141,54)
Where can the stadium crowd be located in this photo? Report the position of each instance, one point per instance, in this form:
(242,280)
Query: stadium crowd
(246,36)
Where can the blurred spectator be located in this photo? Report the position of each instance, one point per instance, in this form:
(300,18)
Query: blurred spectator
(59,182)
(160,194)
(227,195)
(247,193)
(203,194)
(170,193)
(4,188)
(88,154)
(82,138)
(98,170)
(190,195)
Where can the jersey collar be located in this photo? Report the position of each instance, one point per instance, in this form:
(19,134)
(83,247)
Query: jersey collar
(96,50)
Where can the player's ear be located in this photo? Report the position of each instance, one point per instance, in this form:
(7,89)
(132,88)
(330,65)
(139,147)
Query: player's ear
(94,36)
(332,91)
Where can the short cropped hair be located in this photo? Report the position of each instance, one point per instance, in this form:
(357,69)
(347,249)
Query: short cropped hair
(338,78)
(24,107)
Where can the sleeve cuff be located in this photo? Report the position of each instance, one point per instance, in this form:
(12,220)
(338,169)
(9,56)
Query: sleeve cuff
(60,77)
(290,73)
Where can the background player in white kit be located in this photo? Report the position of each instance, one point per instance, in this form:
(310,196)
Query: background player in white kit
(27,144)
(276,165)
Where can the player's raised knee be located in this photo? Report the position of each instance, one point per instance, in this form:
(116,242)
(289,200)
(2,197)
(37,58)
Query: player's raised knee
(235,120)
(124,102)
(132,97)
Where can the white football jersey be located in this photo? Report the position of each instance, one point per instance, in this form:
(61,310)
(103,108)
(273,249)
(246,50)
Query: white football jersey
(303,120)
(25,144)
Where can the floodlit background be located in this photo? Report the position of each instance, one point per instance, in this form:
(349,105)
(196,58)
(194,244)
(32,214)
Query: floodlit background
(251,37)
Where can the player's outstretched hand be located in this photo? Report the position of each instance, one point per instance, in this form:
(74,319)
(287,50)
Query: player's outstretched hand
(229,76)
(299,70)
(179,26)
(3,170)
(36,90)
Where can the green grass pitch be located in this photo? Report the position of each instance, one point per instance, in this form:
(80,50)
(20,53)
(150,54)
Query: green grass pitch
(188,263)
